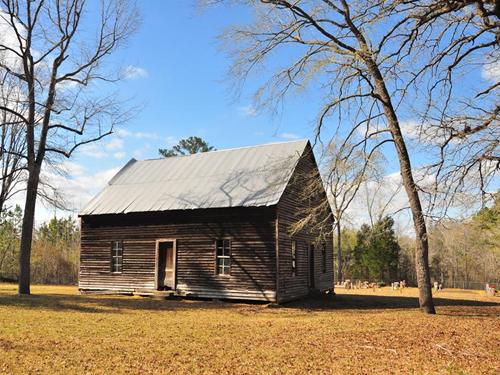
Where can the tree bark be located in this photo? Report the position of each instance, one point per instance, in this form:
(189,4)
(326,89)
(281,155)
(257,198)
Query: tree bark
(27,230)
(380,91)
(422,245)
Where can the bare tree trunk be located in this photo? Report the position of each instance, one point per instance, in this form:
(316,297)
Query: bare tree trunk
(339,253)
(27,230)
(60,124)
(422,245)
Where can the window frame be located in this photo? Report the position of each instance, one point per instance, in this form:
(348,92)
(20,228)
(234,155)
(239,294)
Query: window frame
(293,256)
(114,256)
(219,257)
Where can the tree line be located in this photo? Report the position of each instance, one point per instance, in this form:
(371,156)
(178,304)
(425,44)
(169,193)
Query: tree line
(463,254)
(55,250)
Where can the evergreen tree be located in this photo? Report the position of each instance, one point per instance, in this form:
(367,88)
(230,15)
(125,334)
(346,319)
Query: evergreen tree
(188,146)
(57,231)
(376,255)
(362,243)
(10,234)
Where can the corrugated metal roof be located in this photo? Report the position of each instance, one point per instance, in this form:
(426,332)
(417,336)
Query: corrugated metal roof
(240,177)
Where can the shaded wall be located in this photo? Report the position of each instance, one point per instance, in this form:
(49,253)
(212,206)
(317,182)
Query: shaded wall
(251,230)
(301,194)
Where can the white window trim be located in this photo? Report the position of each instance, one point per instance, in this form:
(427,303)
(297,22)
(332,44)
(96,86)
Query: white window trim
(217,257)
(116,247)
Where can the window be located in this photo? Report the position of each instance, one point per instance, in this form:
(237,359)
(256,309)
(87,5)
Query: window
(323,257)
(223,257)
(117,256)
(294,257)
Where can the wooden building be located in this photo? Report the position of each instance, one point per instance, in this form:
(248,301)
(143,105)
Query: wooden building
(215,225)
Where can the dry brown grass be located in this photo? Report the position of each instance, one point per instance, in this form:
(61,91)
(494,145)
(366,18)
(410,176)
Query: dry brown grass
(365,332)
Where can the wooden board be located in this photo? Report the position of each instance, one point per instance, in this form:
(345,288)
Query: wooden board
(252,234)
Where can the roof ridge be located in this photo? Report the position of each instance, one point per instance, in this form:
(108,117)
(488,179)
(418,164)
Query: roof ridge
(228,149)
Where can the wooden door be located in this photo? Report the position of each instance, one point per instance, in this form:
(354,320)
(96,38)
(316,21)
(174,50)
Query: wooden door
(165,265)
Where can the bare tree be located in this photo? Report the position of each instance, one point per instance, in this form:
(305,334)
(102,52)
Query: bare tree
(345,172)
(57,60)
(12,144)
(379,193)
(451,43)
(334,43)
(377,62)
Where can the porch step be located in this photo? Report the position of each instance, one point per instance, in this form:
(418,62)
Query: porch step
(157,294)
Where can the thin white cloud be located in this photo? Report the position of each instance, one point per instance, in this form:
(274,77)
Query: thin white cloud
(133,72)
(9,38)
(171,141)
(247,111)
(372,129)
(72,168)
(74,189)
(92,150)
(288,136)
(125,133)
(425,133)
(411,129)
(145,135)
(491,72)
(114,144)
(139,153)
(78,190)
(385,198)
(119,155)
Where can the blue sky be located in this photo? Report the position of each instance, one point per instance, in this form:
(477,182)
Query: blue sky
(177,72)
(180,77)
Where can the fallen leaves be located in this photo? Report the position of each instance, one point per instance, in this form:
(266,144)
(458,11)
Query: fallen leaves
(58,331)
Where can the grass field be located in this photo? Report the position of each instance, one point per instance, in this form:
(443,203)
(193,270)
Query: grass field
(58,331)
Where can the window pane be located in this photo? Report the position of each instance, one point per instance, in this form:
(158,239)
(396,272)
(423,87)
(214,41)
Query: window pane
(223,256)
(117,248)
(219,245)
(117,256)
(223,270)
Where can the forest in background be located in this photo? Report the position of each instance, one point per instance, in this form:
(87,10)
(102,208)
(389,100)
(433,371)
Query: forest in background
(56,249)
(463,254)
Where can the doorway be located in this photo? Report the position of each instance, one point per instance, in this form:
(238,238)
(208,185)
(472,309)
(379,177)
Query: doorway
(165,264)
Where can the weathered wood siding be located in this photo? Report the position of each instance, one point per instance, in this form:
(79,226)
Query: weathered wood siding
(253,246)
(290,210)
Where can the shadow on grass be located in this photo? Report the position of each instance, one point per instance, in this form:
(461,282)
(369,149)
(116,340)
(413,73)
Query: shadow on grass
(376,302)
(119,304)
(104,304)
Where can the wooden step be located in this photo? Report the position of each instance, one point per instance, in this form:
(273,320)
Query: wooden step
(157,294)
